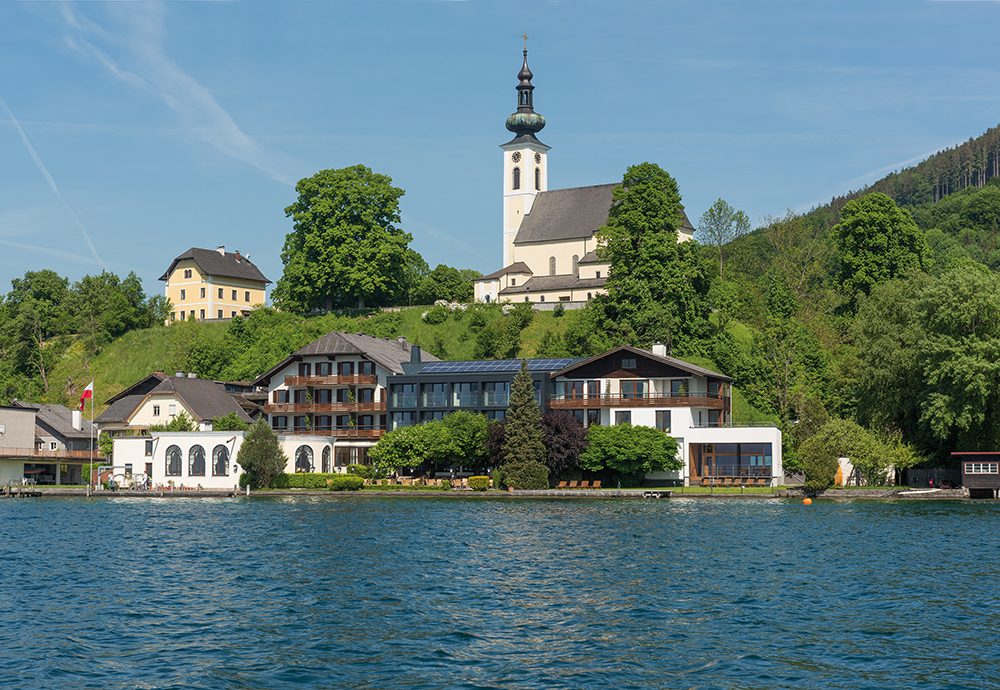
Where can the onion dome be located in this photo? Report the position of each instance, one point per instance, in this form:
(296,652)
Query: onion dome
(525,121)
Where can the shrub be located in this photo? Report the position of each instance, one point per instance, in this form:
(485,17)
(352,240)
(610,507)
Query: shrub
(446,484)
(302,480)
(559,310)
(437,314)
(526,475)
(345,482)
(366,471)
(819,464)
(479,483)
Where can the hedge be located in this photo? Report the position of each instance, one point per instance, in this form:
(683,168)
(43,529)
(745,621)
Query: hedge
(479,483)
(303,480)
(346,482)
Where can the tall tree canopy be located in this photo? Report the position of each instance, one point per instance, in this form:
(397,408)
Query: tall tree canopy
(878,241)
(720,225)
(345,249)
(656,287)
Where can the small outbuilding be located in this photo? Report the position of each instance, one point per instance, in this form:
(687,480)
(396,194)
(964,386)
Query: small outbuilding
(980,473)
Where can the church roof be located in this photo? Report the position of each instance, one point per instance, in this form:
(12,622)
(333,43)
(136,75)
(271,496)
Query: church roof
(571,214)
(547,283)
(518,267)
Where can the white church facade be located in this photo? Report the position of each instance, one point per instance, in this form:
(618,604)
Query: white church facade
(549,236)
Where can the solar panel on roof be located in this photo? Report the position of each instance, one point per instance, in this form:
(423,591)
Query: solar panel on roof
(505,365)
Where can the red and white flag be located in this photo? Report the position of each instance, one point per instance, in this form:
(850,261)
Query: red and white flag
(88,392)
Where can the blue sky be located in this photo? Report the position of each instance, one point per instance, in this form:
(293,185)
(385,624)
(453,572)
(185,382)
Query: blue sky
(131,131)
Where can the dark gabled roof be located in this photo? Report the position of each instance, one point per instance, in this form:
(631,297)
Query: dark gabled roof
(518,267)
(546,283)
(389,354)
(215,263)
(671,361)
(591,258)
(570,214)
(206,399)
(59,419)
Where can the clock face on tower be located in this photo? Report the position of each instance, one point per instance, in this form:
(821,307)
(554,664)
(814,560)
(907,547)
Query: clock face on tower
(538,158)
(516,156)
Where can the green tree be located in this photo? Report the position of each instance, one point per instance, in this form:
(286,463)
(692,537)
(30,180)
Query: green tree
(345,248)
(401,447)
(180,422)
(656,286)
(720,225)
(229,422)
(260,456)
(629,451)
(468,438)
(878,241)
(523,443)
(446,283)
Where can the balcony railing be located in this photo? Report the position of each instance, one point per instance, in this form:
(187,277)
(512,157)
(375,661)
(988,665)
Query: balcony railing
(649,400)
(324,408)
(60,454)
(355,380)
(335,433)
(736,471)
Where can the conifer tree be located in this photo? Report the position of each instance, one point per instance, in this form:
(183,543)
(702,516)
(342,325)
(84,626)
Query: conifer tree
(261,456)
(523,445)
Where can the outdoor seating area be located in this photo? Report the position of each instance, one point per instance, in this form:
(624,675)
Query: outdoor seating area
(579,485)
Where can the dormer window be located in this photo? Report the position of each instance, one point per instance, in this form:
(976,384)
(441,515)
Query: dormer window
(513,282)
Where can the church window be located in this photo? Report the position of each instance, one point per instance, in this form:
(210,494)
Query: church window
(538,178)
(576,265)
(542,298)
(513,282)
(552,265)
(517,178)
(598,274)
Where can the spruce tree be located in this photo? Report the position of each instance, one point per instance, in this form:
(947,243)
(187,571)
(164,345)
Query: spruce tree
(261,456)
(523,445)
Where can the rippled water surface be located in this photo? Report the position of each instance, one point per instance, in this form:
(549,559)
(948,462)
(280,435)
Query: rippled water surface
(401,592)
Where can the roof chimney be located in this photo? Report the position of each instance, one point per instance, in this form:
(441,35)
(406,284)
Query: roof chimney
(221,249)
(402,341)
(192,375)
(659,349)
(237,252)
(78,420)
(415,354)
(180,374)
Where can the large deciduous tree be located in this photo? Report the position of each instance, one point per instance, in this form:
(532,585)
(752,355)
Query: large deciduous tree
(344,249)
(720,225)
(878,241)
(656,286)
(630,451)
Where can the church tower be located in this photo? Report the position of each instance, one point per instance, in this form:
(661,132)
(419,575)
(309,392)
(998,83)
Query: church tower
(525,168)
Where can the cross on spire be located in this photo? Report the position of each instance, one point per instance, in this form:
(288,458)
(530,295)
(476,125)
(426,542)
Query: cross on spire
(525,37)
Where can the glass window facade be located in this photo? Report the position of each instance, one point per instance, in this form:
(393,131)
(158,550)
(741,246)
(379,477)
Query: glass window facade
(434,394)
(400,419)
(496,393)
(465,394)
(403,394)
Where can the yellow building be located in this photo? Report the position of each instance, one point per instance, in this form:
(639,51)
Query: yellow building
(549,242)
(205,284)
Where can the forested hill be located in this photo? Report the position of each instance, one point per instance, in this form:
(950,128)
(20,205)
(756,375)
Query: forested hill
(972,164)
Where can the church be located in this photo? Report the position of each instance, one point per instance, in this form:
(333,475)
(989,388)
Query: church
(549,236)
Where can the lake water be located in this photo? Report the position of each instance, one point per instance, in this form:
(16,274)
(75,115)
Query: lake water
(402,592)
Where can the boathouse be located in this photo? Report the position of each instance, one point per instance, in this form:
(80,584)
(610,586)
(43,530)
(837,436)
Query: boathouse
(980,473)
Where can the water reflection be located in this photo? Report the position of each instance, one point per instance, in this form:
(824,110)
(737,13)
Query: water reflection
(384,592)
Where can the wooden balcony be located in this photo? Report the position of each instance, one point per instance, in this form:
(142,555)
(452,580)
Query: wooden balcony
(716,402)
(320,381)
(61,455)
(369,434)
(324,408)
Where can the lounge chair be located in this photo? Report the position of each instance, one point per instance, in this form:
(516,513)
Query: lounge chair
(584,485)
(596,484)
(572,485)
(562,485)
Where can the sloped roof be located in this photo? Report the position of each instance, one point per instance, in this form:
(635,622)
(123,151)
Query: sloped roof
(672,361)
(570,214)
(214,263)
(59,419)
(389,354)
(563,282)
(518,267)
(206,399)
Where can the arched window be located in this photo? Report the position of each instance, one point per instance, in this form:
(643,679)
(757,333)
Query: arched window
(304,459)
(538,178)
(220,461)
(486,298)
(542,298)
(517,178)
(589,296)
(196,462)
(552,265)
(576,265)
(327,452)
(173,458)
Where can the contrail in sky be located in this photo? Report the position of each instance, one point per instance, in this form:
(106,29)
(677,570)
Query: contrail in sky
(52,183)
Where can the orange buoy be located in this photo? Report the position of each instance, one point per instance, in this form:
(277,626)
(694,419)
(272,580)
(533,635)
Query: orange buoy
(807,501)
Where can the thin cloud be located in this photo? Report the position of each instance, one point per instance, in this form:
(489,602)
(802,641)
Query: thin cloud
(48,178)
(410,222)
(150,69)
(57,253)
